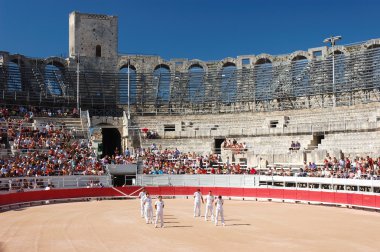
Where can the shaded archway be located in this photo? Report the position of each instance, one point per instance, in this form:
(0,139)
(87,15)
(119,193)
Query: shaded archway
(123,85)
(195,86)
(111,139)
(373,63)
(300,75)
(54,78)
(14,80)
(263,78)
(161,76)
(228,83)
(340,69)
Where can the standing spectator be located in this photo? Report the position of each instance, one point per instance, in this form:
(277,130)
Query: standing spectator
(198,198)
(159,206)
(219,210)
(142,195)
(148,209)
(209,206)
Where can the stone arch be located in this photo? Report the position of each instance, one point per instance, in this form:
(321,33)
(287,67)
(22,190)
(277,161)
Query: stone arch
(56,61)
(162,65)
(131,66)
(299,55)
(261,61)
(226,62)
(132,62)
(263,58)
(191,63)
(371,44)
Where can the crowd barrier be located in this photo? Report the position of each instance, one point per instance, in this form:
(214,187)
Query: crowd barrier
(354,199)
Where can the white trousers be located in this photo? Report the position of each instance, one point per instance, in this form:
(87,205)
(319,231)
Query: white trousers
(197,208)
(142,208)
(219,212)
(148,213)
(209,210)
(159,216)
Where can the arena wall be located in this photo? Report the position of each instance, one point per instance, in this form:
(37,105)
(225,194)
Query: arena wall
(361,200)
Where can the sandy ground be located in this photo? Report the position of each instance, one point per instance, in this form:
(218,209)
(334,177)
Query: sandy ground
(250,226)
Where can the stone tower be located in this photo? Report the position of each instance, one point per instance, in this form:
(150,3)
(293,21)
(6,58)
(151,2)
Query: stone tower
(95,38)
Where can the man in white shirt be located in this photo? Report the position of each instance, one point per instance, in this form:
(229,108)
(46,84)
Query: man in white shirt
(148,209)
(141,197)
(209,206)
(159,206)
(219,210)
(47,188)
(198,198)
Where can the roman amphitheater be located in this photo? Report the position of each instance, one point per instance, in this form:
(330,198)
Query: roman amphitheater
(296,128)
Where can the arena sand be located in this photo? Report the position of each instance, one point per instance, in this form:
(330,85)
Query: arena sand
(250,226)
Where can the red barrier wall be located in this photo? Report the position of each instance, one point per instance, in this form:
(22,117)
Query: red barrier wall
(344,198)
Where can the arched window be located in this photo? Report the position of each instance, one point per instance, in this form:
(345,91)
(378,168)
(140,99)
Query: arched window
(54,79)
(373,61)
(123,85)
(228,84)
(339,72)
(14,82)
(195,86)
(263,78)
(300,71)
(161,80)
(340,68)
(98,51)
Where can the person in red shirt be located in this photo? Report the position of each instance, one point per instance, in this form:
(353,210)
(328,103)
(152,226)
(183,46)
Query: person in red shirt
(212,170)
(252,171)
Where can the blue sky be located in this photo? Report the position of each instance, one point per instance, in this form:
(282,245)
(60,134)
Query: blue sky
(194,29)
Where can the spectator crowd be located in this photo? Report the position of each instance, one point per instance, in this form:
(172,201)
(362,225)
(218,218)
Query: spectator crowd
(54,150)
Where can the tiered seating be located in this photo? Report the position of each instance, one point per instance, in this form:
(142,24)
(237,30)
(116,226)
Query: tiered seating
(199,146)
(275,145)
(352,144)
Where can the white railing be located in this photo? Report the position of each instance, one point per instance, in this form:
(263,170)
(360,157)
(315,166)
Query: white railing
(74,181)
(250,181)
(197,180)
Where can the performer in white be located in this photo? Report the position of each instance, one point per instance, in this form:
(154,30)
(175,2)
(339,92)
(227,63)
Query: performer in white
(141,197)
(219,210)
(159,206)
(148,208)
(197,203)
(209,206)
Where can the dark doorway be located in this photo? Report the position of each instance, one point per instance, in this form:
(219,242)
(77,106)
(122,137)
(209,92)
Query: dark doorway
(218,145)
(111,140)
